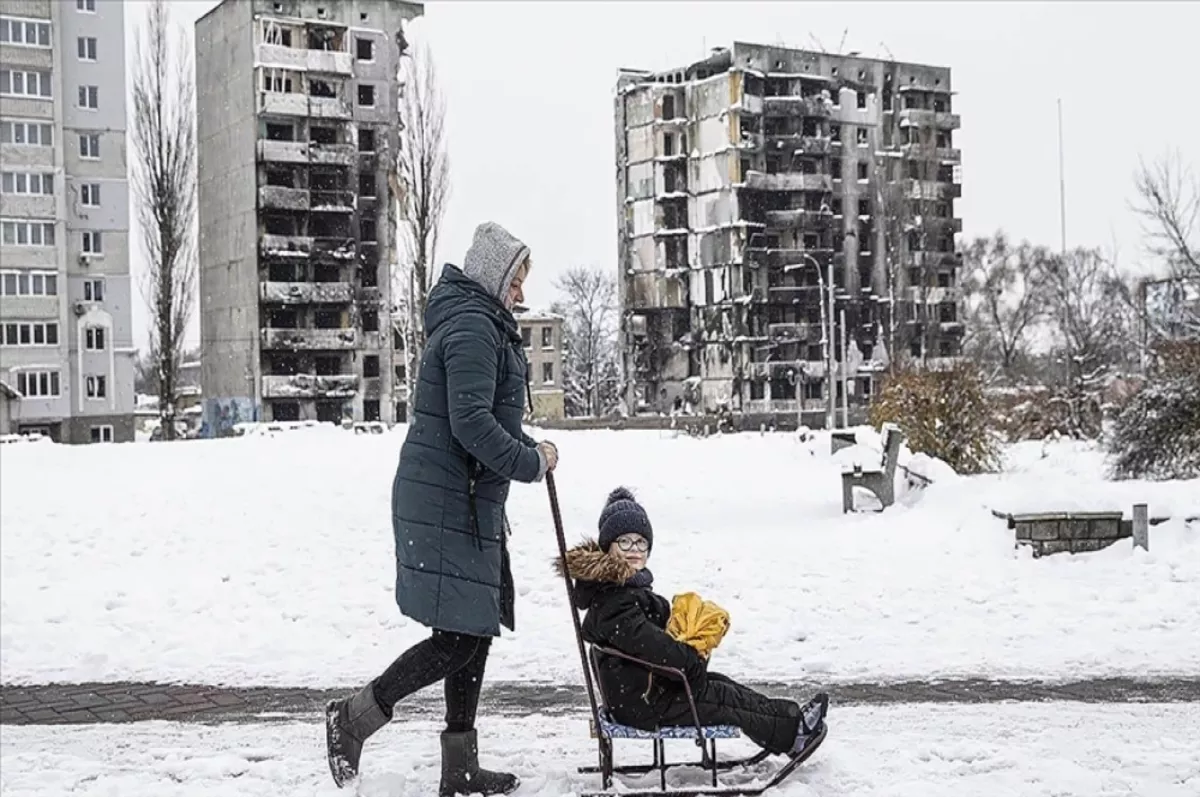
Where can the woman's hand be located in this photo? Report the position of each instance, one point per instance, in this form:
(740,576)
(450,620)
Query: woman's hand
(550,452)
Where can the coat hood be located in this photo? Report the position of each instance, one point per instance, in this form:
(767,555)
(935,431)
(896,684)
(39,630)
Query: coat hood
(595,571)
(493,259)
(455,293)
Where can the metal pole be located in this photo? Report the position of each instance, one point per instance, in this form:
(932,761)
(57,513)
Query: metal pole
(1141,526)
(830,410)
(1062,182)
(845,375)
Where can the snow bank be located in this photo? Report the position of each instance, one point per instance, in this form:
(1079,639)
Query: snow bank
(262,560)
(1030,750)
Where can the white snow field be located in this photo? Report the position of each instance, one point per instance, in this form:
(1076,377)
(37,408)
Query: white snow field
(269,561)
(1016,750)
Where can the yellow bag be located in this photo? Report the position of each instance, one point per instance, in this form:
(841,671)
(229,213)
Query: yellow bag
(699,623)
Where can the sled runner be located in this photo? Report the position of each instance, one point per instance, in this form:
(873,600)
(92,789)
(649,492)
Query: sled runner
(605,730)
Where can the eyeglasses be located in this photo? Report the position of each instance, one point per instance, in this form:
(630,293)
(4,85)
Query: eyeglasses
(637,543)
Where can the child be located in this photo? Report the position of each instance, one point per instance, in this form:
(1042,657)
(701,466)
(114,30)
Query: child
(613,587)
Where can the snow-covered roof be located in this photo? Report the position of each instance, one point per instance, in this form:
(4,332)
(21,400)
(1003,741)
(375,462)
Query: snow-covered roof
(530,315)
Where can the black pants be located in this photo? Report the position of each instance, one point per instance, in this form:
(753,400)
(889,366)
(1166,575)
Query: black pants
(457,660)
(770,723)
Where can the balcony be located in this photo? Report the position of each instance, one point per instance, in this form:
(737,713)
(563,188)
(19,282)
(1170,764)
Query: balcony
(794,142)
(651,290)
(335,248)
(310,339)
(935,259)
(333,154)
(328,108)
(283,151)
(798,331)
(307,292)
(798,219)
(921,295)
(778,258)
(788,182)
(334,201)
(280,56)
(796,106)
(942,154)
(310,386)
(278,103)
(943,223)
(285,245)
(917,117)
(330,62)
(926,189)
(277,197)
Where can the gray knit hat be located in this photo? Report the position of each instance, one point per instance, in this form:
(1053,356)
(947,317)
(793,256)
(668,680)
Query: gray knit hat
(494,257)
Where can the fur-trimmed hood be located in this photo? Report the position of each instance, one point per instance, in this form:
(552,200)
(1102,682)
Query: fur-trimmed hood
(594,570)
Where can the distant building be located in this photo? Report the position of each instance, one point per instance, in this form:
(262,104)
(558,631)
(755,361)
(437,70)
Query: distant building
(8,397)
(542,336)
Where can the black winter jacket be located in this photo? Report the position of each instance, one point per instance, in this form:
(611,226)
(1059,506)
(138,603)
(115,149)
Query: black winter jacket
(633,620)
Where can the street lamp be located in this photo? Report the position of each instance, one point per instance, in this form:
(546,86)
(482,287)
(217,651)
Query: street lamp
(827,333)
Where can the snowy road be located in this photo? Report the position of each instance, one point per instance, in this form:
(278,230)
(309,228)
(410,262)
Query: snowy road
(1031,750)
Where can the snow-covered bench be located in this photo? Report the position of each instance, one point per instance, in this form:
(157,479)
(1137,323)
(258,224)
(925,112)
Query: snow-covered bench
(881,482)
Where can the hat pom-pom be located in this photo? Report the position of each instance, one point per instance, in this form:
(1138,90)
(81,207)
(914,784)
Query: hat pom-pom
(620,494)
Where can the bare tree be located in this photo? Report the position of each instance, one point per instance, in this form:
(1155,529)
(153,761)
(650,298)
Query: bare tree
(423,174)
(1004,287)
(164,137)
(1089,325)
(591,368)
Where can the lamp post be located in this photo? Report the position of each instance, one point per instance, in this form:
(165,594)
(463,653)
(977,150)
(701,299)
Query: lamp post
(827,334)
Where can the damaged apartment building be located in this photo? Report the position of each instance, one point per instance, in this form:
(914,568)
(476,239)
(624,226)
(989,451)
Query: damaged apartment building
(296,110)
(785,216)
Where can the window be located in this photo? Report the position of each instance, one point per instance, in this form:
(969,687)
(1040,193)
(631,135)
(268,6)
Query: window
(27,233)
(89,195)
(364,49)
(89,146)
(96,386)
(86,5)
(366,139)
(24,32)
(93,290)
(89,97)
(370,321)
(861,136)
(35,183)
(366,95)
(547,337)
(86,46)
(94,337)
(28,283)
(27,134)
(38,384)
(862,171)
(93,243)
(864,207)
(31,333)
(17,83)
(527,337)
(862,99)
(547,373)
(102,434)
(835,132)
(366,185)
(370,366)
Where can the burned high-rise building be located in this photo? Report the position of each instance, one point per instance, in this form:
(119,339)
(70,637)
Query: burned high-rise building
(782,211)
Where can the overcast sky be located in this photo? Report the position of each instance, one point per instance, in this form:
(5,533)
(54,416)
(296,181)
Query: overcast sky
(529,90)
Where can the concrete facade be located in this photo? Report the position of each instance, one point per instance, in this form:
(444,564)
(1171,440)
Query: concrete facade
(542,336)
(66,337)
(296,106)
(756,189)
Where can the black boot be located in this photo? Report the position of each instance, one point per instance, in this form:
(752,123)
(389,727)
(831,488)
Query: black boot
(460,769)
(348,723)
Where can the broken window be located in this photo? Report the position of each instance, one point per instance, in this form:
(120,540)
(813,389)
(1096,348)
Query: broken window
(861,99)
(370,365)
(364,49)
(366,139)
(329,411)
(277,80)
(282,177)
(914,277)
(368,229)
(282,318)
(285,411)
(835,132)
(327,272)
(371,410)
(668,107)
(366,184)
(864,207)
(280,132)
(862,170)
(327,319)
(912,100)
(947,347)
(319,134)
(773,164)
(547,337)
(283,272)
(547,373)
(808,127)
(947,312)
(324,38)
(914,348)
(835,168)
(943,138)
(668,144)
(945,279)
(370,320)
(273,33)
(366,95)
(811,240)
(279,225)
(941,105)
(527,337)
(860,136)
(320,88)
(368,275)
(327,365)
(914,172)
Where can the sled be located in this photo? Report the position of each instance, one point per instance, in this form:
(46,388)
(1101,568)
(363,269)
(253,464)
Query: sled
(605,730)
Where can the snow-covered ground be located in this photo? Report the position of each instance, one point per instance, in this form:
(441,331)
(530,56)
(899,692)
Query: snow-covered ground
(1021,750)
(270,561)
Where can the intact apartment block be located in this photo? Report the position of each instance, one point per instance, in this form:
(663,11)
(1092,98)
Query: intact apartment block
(296,109)
(774,203)
(66,337)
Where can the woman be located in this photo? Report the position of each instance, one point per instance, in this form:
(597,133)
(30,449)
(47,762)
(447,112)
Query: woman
(464,446)
(614,587)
